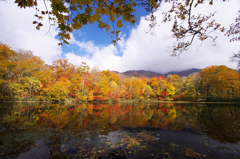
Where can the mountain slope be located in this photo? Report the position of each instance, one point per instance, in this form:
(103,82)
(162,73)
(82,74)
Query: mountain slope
(185,72)
(150,74)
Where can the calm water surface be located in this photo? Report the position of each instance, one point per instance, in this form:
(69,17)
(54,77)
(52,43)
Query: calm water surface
(140,130)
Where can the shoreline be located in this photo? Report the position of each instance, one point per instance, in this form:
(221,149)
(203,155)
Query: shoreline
(108,102)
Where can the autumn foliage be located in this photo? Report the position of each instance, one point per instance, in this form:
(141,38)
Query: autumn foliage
(24,76)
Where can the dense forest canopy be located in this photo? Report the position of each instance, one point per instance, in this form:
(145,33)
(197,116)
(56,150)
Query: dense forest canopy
(24,76)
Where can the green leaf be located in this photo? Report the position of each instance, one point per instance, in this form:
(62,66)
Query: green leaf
(88,10)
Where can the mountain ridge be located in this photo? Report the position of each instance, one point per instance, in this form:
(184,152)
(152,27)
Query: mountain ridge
(150,74)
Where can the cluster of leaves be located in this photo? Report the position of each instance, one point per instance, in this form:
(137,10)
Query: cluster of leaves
(73,15)
(26,77)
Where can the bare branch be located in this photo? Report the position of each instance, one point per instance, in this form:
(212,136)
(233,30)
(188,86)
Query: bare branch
(48,18)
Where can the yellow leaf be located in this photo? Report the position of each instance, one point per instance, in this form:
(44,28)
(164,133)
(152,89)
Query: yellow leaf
(91,20)
(120,6)
(114,42)
(119,23)
(88,10)
(66,18)
(108,27)
(118,31)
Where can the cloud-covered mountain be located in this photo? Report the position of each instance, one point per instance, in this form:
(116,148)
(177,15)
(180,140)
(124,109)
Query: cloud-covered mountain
(150,74)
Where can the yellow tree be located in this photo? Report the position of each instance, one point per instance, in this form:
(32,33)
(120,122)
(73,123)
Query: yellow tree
(16,90)
(95,75)
(83,70)
(218,80)
(32,84)
(113,93)
(137,88)
(75,86)
(46,76)
(26,64)
(6,65)
(208,80)
(111,76)
(128,85)
(60,89)
(175,80)
(61,68)
(155,86)
(113,79)
(104,87)
(95,78)
(188,87)
(228,82)
(165,90)
(147,91)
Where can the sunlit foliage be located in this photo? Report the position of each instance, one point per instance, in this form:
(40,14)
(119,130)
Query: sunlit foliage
(26,77)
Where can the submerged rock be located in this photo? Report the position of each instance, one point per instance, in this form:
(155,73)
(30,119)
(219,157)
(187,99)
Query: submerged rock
(56,153)
(59,156)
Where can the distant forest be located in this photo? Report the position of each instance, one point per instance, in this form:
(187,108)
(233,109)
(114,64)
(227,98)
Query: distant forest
(25,77)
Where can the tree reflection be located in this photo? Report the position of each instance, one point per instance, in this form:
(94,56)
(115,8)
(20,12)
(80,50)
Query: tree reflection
(64,124)
(16,121)
(221,123)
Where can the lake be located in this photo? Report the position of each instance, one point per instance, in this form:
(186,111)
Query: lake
(119,130)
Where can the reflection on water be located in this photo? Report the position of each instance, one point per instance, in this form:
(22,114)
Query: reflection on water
(140,130)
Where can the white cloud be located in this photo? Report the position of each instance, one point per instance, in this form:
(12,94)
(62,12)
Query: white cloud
(144,52)
(102,57)
(18,32)
(139,51)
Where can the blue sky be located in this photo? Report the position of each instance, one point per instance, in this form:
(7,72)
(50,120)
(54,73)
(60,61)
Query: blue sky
(99,36)
(136,50)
